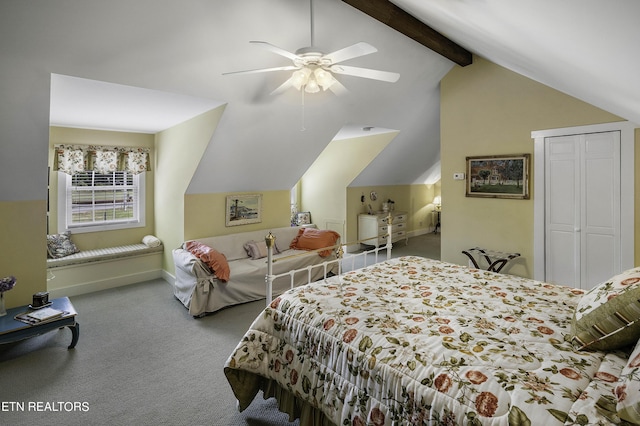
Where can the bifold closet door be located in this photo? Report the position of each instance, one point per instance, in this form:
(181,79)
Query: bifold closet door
(582,208)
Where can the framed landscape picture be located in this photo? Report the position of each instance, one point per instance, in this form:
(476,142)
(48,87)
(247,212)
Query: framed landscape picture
(243,209)
(498,176)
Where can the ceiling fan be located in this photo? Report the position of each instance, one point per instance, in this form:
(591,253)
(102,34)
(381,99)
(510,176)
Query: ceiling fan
(313,69)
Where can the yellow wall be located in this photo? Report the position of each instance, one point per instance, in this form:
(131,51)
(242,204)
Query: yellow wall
(414,199)
(205,214)
(25,248)
(636,201)
(323,186)
(489,110)
(92,240)
(179,151)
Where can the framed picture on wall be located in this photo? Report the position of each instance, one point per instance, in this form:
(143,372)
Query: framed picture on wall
(243,209)
(303,218)
(498,176)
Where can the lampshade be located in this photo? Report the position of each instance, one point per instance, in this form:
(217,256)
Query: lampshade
(312,80)
(324,78)
(437,201)
(311,86)
(300,77)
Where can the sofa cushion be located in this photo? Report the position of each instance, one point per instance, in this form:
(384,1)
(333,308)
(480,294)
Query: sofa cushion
(60,245)
(258,249)
(232,245)
(213,258)
(313,239)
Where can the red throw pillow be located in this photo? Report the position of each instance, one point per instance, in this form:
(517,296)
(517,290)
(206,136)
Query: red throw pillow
(213,258)
(313,239)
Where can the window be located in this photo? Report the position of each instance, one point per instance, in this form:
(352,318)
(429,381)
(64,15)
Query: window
(90,201)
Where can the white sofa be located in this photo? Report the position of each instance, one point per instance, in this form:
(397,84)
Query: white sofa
(198,288)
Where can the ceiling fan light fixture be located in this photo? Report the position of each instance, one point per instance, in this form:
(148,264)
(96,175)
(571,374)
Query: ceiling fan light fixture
(300,77)
(324,78)
(312,86)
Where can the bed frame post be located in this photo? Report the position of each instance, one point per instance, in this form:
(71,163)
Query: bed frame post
(270,240)
(389,232)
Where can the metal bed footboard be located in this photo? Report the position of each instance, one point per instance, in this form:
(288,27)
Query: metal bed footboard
(270,277)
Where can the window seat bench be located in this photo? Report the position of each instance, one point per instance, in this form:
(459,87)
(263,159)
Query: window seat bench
(99,269)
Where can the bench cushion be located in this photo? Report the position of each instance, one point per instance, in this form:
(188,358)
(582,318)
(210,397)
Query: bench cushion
(109,253)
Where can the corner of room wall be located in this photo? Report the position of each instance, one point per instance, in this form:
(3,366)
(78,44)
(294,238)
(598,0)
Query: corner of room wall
(415,199)
(324,185)
(178,154)
(489,110)
(637,199)
(26,243)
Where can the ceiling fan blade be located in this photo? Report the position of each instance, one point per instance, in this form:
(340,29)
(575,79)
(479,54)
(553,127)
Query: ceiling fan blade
(390,77)
(276,49)
(287,68)
(338,89)
(350,52)
(282,88)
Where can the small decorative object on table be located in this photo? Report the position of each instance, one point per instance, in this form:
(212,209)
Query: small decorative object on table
(40,300)
(6,284)
(303,218)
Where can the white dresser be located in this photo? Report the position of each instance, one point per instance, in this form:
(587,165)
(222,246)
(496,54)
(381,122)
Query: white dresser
(373,228)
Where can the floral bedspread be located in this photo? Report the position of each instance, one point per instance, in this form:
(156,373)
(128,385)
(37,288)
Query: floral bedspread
(418,341)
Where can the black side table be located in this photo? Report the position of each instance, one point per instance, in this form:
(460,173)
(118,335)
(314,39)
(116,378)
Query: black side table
(12,330)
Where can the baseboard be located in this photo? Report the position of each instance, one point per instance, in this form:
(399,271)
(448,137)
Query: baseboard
(168,277)
(104,284)
(417,232)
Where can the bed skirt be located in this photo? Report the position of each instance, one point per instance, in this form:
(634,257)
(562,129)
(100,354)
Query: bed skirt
(287,402)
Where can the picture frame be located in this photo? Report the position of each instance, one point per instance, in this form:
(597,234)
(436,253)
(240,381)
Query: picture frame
(498,176)
(243,209)
(303,218)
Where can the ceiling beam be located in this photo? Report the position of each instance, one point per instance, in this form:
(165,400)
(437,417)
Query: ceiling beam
(396,18)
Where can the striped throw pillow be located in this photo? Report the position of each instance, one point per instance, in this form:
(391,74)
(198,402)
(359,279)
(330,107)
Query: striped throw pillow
(608,316)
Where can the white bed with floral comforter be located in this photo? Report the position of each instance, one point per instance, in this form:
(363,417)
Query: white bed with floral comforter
(417,341)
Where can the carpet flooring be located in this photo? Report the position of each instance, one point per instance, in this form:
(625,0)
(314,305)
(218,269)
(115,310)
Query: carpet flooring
(141,360)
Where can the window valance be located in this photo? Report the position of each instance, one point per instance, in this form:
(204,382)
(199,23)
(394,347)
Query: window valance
(72,159)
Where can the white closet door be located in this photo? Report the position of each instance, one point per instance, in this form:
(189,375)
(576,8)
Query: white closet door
(562,212)
(600,216)
(582,208)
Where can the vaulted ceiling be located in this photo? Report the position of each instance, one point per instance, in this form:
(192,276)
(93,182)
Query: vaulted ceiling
(584,48)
